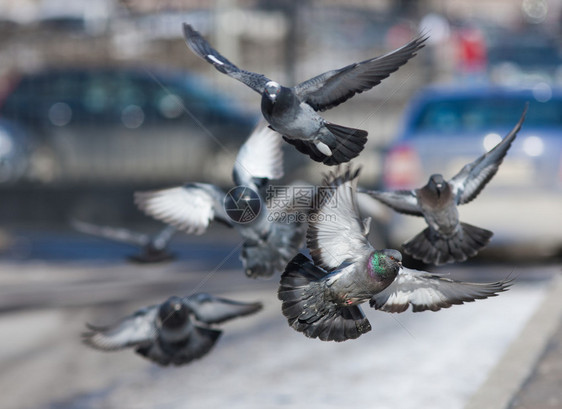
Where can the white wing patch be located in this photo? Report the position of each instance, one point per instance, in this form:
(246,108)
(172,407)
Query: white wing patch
(214,59)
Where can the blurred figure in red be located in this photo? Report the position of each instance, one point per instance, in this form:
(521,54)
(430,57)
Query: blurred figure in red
(470,52)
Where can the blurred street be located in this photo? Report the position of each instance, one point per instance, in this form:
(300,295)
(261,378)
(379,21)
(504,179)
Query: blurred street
(260,362)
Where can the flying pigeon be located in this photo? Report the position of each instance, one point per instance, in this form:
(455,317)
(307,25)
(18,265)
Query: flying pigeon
(293,111)
(167,333)
(321,297)
(447,239)
(153,248)
(268,244)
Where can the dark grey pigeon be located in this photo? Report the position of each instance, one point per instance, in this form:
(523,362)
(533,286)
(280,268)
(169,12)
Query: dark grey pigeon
(153,247)
(321,297)
(174,332)
(293,111)
(268,245)
(447,239)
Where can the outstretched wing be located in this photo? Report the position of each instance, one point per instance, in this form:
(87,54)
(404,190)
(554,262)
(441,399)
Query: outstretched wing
(134,330)
(403,201)
(112,233)
(190,207)
(260,157)
(472,178)
(214,310)
(425,291)
(331,88)
(203,49)
(336,234)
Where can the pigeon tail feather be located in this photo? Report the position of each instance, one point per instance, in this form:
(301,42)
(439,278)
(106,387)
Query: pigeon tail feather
(432,248)
(345,145)
(155,257)
(349,143)
(260,261)
(263,259)
(303,295)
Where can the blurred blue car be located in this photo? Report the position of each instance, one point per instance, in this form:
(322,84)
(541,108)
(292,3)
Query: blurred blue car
(446,127)
(119,125)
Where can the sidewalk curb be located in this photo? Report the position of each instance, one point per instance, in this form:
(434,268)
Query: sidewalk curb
(518,362)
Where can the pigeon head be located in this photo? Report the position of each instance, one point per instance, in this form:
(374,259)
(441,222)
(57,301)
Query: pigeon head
(385,263)
(272,90)
(173,313)
(393,255)
(437,184)
(276,100)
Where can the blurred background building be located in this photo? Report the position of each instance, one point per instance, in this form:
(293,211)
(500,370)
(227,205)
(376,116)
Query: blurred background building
(101,98)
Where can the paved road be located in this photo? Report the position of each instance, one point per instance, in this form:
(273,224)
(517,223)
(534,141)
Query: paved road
(435,360)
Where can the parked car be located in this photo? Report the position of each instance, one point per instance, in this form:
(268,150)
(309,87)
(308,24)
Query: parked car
(122,125)
(447,127)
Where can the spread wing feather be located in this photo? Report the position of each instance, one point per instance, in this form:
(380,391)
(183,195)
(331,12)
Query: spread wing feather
(336,234)
(331,88)
(472,178)
(203,49)
(112,233)
(190,207)
(136,329)
(403,201)
(425,291)
(214,310)
(261,156)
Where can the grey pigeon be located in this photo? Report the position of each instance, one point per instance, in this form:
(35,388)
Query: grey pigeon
(174,332)
(293,111)
(321,297)
(153,247)
(268,245)
(447,239)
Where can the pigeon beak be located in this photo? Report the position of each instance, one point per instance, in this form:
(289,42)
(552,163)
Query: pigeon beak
(272,97)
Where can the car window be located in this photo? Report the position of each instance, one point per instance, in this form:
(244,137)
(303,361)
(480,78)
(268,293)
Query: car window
(472,115)
(96,97)
(102,98)
(525,56)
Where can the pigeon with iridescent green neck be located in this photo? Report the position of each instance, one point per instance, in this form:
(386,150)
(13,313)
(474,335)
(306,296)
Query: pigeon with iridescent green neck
(321,297)
(293,111)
